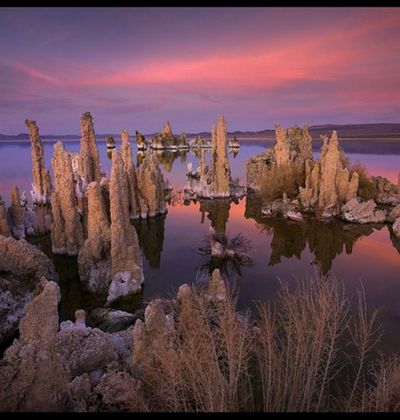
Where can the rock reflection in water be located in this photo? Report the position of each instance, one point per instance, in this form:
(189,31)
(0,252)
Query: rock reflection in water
(151,238)
(73,293)
(234,251)
(166,158)
(325,239)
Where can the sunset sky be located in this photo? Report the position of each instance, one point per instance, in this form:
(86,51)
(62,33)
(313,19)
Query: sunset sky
(136,68)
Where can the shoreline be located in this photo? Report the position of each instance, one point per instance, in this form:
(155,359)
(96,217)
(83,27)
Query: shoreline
(245,139)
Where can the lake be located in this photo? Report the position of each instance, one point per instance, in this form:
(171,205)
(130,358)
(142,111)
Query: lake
(279,249)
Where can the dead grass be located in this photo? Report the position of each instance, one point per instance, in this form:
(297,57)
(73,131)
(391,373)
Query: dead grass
(290,358)
(366,188)
(279,180)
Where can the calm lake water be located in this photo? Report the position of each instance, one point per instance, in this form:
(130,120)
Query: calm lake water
(280,249)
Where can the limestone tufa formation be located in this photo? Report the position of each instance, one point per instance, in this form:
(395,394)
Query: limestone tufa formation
(328,182)
(126,258)
(4,227)
(220,170)
(130,173)
(17,214)
(89,163)
(94,257)
(33,376)
(292,150)
(151,185)
(67,232)
(41,185)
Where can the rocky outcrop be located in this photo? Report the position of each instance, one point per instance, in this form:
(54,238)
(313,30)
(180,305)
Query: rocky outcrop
(87,349)
(126,258)
(325,239)
(94,258)
(20,258)
(214,181)
(287,159)
(293,146)
(396,227)
(67,231)
(17,214)
(33,377)
(151,186)
(328,182)
(220,172)
(234,143)
(362,212)
(140,141)
(41,185)
(386,191)
(4,226)
(167,140)
(283,207)
(21,267)
(89,163)
(394,214)
(130,171)
(120,391)
(216,288)
(112,320)
(258,168)
(157,330)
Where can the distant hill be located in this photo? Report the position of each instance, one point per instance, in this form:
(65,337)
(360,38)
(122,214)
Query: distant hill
(381,130)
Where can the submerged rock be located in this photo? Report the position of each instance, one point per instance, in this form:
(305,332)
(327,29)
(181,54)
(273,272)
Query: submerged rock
(41,184)
(111,320)
(126,258)
(67,232)
(94,257)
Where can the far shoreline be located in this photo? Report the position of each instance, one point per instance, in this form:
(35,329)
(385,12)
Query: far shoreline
(249,138)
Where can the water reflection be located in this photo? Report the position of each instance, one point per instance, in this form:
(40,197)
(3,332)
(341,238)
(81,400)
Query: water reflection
(224,252)
(151,238)
(166,158)
(218,213)
(234,152)
(325,239)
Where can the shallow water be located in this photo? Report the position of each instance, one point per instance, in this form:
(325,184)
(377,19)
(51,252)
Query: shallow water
(280,249)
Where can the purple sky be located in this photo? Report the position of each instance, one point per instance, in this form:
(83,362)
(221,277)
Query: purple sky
(136,68)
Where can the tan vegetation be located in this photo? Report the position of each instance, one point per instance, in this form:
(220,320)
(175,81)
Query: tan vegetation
(310,351)
(278,180)
(366,187)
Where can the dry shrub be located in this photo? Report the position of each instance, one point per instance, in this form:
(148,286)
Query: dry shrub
(209,370)
(279,180)
(291,358)
(298,345)
(384,394)
(366,187)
